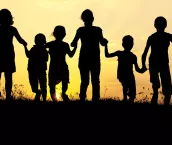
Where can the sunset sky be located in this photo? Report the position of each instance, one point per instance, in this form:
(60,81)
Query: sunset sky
(117,18)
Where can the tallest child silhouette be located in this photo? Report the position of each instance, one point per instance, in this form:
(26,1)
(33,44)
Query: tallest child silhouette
(7,54)
(159,43)
(89,59)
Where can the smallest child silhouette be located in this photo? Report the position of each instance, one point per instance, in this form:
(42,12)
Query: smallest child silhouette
(37,66)
(126,60)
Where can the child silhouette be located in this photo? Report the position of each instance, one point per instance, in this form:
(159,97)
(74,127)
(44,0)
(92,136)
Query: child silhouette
(126,60)
(89,59)
(7,53)
(158,60)
(37,66)
(58,70)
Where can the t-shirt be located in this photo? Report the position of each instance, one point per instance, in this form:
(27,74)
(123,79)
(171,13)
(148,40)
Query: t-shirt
(38,57)
(90,39)
(58,51)
(125,64)
(159,48)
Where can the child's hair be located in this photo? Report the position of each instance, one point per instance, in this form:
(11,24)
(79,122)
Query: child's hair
(127,42)
(6,17)
(160,23)
(59,32)
(40,39)
(87,16)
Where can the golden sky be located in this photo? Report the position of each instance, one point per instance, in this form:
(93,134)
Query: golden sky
(116,17)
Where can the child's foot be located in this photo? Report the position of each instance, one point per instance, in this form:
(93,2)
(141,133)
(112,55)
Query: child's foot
(95,99)
(37,96)
(54,98)
(9,98)
(44,99)
(124,100)
(131,100)
(65,98)
(82,98)
(154,99)
(167,100)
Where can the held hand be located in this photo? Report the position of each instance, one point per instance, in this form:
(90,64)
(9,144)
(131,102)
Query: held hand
(25,44)
(73,44)
(143,69)
(105,42)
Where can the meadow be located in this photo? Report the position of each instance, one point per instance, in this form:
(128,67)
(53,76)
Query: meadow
(109,119)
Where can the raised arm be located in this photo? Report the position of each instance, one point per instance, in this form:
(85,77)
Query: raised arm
(108,55)
(18,37)
(76,38)
(144,55)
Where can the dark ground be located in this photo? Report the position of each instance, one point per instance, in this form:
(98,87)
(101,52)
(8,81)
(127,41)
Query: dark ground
(75,121)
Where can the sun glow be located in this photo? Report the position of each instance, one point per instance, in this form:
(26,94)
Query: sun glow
(58,96)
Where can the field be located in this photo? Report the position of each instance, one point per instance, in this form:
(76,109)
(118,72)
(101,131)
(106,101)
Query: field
(85,120)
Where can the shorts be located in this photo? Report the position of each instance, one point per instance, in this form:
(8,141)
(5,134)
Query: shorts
(164,73)
(55,77)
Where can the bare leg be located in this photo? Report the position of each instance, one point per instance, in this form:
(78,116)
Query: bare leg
(84,73)
(53,93)
(124,94)
(43,85)
(8,85)
(155,95)
(64,89)
(95,74)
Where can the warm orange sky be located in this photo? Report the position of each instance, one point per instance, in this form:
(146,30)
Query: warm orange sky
(116,18)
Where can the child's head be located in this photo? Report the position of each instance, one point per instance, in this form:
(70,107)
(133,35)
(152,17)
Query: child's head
(160,23)
(40,39)
(87,16)
(59,32)
(6,17)
(127,42)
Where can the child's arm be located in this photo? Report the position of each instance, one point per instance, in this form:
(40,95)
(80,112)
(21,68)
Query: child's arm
(103,41)
(19,39)
(108,55)
(69,52)
(76,38)
(26,51)
(144,55)
(142,70)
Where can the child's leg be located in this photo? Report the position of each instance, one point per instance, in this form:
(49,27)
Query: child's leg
(52,85)
(33,79)
(64,89)
(43,85)
(84,73)
(8,85)
(53,92)
(166,84)
(154,79)
(95,74)
(155,88)
(132,90)
(125,91)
